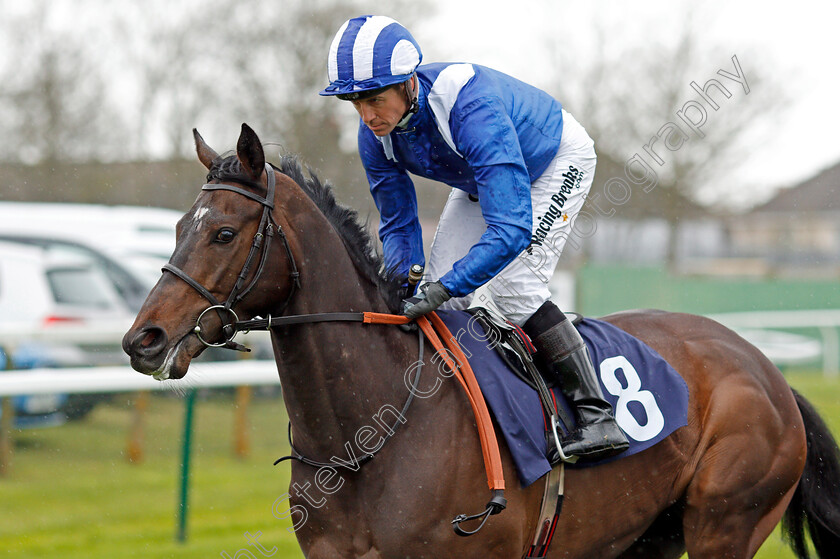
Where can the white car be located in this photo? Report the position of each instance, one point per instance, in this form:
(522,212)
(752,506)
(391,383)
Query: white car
(129,244)
(63,305)
(48,286)
(140,238)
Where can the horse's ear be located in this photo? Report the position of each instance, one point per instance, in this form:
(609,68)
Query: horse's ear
(249,150)
(205,153)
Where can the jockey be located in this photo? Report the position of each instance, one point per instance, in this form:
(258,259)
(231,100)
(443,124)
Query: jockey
(520,167)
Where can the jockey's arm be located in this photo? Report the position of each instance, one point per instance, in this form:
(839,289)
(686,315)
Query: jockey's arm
(487,139)
(395,198)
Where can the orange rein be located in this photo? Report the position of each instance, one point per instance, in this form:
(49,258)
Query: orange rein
(432,325)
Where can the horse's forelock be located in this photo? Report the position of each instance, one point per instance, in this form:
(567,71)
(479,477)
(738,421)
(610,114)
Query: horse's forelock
(228,168)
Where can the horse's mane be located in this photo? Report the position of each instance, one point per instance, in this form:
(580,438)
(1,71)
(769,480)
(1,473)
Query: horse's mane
(364,251)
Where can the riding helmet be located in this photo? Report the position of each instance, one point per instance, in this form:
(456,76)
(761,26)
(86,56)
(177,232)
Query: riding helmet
(370,53)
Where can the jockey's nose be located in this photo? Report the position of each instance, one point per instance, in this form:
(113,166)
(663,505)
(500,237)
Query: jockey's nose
(367,114)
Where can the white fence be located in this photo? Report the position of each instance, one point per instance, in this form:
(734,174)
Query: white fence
(81,380)
(826,322)
(122,379)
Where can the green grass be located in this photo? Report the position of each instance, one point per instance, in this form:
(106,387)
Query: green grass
(73,494)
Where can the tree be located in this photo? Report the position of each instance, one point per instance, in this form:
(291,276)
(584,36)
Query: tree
(54,102)
(262,63)
(638,105)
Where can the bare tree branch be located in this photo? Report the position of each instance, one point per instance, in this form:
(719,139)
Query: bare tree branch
(55,106)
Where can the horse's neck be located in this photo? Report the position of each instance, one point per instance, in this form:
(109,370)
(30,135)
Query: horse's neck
(329,279)
(336,376)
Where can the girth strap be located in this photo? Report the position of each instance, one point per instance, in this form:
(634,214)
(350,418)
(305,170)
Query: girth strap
(429,323)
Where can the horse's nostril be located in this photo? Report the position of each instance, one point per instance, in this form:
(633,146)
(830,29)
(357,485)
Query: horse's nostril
(149,341)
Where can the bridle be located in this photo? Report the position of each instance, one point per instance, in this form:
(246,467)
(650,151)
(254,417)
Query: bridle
(262,241)
(261,244)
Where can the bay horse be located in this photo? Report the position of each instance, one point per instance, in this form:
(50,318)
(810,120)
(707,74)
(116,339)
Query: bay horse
(753,450)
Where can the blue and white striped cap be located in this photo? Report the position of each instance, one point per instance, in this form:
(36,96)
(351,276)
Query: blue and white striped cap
(370,52)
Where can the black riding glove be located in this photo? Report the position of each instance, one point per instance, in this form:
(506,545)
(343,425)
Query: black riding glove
(431,296)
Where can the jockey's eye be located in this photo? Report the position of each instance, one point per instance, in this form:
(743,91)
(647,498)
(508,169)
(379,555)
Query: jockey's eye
(225,235)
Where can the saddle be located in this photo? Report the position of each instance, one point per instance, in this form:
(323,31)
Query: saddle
(515,349)
(649,397)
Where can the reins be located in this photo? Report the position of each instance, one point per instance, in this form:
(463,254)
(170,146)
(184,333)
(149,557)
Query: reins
(277,321)
(449,350)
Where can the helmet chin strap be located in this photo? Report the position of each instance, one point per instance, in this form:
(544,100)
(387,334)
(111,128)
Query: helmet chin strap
(411,97)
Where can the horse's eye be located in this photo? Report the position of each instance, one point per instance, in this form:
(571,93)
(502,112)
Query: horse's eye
(225,235)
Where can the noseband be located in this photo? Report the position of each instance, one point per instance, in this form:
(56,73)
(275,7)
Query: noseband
(262,241)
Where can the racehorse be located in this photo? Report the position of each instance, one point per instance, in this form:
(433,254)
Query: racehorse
(753,450)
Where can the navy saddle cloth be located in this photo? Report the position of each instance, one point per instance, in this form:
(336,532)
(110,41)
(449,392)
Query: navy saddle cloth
(649,397)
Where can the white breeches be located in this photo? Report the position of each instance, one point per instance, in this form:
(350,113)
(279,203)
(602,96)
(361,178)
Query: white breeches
(556,199)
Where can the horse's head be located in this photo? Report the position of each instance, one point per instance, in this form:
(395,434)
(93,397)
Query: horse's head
(217,273)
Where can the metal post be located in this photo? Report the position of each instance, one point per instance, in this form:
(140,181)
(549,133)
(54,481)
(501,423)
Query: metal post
(134,451)
(831,351)
(181,535)
(241,440)
(7,424)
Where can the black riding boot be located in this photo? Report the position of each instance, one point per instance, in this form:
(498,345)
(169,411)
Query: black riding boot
(564,356)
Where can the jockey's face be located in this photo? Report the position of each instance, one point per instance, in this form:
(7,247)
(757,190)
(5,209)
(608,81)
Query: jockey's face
(382,112)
